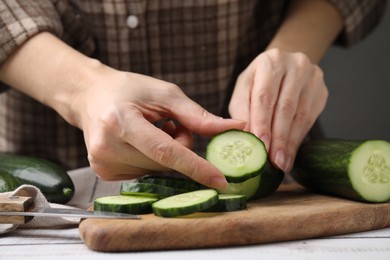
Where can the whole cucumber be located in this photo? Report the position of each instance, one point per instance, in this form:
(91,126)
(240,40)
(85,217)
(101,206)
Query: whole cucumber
(353,169)
(53,181)
(8,182)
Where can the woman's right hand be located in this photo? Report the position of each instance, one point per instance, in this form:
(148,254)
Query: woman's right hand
(116,111)
(118,114)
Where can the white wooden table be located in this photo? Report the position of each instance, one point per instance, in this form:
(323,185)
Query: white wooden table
(60,244)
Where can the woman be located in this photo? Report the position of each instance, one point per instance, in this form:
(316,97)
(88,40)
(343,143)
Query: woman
(130,82)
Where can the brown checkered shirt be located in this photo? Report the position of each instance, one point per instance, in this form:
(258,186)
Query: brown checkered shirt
(200,45)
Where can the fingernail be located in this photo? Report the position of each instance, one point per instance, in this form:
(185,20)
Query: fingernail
(281,160)
(265,140)
(218,182)
(289,165)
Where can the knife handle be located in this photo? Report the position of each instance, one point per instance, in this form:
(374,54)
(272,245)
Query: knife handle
(15,203)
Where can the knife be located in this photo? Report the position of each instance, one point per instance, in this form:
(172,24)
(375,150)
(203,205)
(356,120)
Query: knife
(19,210)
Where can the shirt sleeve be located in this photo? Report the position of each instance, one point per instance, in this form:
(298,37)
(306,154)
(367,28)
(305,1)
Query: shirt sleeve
(360,18)
(21,19)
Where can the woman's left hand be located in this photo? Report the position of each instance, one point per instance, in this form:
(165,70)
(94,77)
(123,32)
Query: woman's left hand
(280,95)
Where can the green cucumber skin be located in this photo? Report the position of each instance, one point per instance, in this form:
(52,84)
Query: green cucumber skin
(139,208)
(134,188)
(322,166)
(185,210)
(234,179)
(8,182)
(171,182)
(227,205)
(258,187)
(270,180)
(52,180)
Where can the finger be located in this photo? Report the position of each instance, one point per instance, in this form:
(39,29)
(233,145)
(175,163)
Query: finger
(109,171)
(196,119)
(183,136)
(107,150)
(124,153)
(301,125)
(308,111)
(169,127)
(285,111)
(179,133)
(163,149)
(264,96)
(239,106)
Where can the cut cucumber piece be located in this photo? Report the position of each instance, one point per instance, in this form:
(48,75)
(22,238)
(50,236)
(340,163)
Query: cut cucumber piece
(239,155)
(353,169)
(270,180)
(229,202)
(257,187)
(184,184)
(148,189)
(125,204)
(186,203)
(247,188)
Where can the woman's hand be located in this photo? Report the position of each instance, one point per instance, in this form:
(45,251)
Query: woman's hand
(280,95)
(282,89)
(117,111)
(117,114)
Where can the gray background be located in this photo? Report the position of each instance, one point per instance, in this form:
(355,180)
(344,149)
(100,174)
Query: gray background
(358,80)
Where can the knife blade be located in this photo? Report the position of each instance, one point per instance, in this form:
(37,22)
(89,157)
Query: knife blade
(64,212)
(19,210)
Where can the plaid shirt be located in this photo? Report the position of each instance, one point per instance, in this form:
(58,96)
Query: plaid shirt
(199,45)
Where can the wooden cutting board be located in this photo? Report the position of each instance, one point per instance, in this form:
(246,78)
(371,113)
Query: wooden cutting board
(292,213)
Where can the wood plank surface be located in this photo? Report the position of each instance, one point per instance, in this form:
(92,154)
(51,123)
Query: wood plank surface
(291,213)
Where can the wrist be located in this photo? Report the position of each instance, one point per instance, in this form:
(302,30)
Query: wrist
(72,91)
(310,27)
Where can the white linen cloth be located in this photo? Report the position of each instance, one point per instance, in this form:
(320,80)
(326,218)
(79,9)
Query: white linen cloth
(87,188)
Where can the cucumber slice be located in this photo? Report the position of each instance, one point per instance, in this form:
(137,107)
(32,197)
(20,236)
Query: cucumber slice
(125,204)
(353,169)
(270,180)
(247,188)
(257,187)
(172,182)
(239,155)
(229,202)
(148,189)
(186,203)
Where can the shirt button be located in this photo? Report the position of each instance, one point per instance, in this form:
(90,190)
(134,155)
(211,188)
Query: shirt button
(132,21)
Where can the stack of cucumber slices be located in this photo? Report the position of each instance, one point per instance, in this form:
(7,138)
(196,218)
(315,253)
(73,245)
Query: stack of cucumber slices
(168,197)
(239,155)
